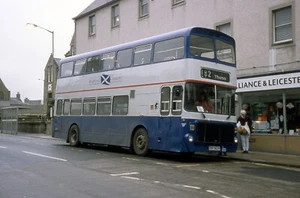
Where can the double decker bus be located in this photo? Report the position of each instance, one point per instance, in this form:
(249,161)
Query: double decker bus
(143,94)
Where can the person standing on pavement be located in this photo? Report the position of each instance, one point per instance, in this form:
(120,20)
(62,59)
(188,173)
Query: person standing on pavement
(245,122)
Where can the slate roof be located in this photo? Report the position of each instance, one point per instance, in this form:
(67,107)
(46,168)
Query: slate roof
(97,4)
(17,102)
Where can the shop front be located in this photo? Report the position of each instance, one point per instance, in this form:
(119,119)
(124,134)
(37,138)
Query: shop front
(273,103)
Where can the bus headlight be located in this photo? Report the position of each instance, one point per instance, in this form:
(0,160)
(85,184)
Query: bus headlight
(191,139)
(235,140)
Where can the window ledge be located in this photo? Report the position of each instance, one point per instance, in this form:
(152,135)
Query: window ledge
(178,4)
(143,17)
(282,44)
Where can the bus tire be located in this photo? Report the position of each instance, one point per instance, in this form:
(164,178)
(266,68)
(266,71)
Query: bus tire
(74,136)
(140,142)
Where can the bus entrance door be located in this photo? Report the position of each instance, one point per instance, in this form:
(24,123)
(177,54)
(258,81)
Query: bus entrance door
(164,128)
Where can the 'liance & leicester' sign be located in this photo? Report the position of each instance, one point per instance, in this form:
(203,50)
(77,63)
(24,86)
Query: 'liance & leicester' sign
(284,81)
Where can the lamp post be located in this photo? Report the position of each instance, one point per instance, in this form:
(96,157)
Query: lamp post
(52,32)
(50,80)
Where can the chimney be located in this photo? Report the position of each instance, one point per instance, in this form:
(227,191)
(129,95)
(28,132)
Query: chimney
(18,96)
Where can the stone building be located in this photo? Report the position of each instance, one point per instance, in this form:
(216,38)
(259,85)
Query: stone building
(268,51)
(4,95)
(16,115)
(50,76)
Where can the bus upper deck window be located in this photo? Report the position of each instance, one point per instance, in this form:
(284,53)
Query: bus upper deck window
(107,61)
(124,58)
(142,54)
(66,69)
(92,64)
(79,67)
(202,46)
(225,52)
(169,50)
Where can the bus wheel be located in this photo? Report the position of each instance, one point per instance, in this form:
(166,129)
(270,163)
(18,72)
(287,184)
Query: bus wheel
(74,135)
(140,142)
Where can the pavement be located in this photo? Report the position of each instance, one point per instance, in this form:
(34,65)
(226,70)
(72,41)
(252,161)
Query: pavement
(285,160)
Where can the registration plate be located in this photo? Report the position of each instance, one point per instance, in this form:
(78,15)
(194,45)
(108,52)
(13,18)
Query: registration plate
(214,148)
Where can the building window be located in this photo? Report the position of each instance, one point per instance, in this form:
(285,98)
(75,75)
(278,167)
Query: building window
(282,25)
(50,74)
(92,25)
(115,14)
(176,2)
(144,8)
(225,28)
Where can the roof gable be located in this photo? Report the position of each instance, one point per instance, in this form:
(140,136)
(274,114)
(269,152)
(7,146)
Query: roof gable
(97,4)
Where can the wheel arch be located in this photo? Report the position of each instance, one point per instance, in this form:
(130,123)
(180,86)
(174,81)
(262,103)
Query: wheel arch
(68,135)
(134,131)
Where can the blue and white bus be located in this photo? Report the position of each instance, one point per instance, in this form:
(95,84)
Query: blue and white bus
(142,95)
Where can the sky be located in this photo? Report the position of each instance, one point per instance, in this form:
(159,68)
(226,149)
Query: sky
(24,51)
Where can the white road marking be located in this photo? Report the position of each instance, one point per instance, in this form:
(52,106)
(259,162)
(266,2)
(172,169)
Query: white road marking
(133,178)
(129,158)
(205,171)
(161,163)
(45,156)
(124,174)
(187,165)
(193,187)
(277,166)
(215,193)
(3,147)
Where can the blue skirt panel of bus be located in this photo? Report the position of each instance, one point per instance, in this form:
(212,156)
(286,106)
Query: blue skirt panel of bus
(164,133)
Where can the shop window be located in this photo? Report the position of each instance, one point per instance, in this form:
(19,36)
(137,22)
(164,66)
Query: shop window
(267,112)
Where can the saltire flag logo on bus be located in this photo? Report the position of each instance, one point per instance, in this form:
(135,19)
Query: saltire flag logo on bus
(105,79)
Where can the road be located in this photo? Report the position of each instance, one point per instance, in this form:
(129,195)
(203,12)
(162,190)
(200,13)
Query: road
(47,168)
